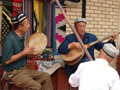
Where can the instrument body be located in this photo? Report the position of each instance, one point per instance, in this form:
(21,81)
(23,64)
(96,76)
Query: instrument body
(37,41)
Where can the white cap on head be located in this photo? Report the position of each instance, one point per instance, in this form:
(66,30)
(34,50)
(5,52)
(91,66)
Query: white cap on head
(80,20)
(110,50)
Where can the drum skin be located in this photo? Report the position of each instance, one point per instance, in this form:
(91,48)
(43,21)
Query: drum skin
(37,41)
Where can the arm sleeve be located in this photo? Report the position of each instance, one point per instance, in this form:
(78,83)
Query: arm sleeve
(116,84)
(99,45)
(63,48)
(74,80)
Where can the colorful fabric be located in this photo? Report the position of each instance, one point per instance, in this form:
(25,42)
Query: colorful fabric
(6,18)
(17,7)
(59,28)
(28,10)
(38,16)
(47,15)
(49,66)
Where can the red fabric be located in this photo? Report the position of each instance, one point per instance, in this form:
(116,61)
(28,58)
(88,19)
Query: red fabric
(33,65)
(17,7)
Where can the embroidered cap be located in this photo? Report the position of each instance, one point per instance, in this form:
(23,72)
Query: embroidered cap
(18,18)
(80,20)
(110,50)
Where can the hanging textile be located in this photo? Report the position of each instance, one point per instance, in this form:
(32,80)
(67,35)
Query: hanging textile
(38,16)
(6,18)
(17,7)
(0,30)
(47,16)
(59,28)
(72,2)
(28,10)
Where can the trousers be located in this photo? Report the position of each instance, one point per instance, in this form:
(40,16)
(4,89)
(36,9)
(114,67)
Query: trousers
(31,79)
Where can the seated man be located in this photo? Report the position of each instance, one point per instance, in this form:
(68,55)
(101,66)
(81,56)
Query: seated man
(14,58)
(97,75)
(71,40)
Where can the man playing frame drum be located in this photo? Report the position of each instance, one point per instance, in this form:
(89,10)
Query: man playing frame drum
(14,58)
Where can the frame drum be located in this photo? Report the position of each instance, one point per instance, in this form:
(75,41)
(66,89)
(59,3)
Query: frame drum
(37,41)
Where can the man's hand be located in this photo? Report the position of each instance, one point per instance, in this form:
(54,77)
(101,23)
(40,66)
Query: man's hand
(28,50)
(114,37)
(75,44)
(33,56)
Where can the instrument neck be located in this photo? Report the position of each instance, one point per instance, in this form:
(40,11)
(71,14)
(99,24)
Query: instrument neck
(93,43)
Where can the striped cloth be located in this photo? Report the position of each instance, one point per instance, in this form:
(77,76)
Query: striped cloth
(28,10)
(47,20)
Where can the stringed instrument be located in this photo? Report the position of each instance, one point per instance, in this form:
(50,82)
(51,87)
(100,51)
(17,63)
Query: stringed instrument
(76,55)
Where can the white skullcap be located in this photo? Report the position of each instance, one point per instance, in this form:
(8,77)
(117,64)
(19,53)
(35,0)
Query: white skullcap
(80,20)
(110,50)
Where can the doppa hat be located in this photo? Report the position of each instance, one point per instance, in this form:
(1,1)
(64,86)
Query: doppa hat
(18,18)
(110,50)
(80,20)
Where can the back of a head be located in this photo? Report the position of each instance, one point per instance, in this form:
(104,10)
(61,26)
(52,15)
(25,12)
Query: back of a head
(110,51)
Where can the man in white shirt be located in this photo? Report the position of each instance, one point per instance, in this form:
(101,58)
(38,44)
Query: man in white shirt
(97,75)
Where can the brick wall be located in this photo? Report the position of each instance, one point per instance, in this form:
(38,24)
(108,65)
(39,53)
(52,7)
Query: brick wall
(102,17)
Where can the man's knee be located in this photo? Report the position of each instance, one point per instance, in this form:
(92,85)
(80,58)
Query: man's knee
(30,85)
(47,76)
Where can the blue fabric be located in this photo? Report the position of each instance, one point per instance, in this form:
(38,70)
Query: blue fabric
(54,29)
(88,38)
(12,45)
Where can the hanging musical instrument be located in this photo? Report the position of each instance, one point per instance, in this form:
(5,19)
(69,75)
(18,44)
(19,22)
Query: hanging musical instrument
(76,55)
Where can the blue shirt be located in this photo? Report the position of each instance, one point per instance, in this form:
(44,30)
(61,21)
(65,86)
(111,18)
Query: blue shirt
(88,38)
(12,45)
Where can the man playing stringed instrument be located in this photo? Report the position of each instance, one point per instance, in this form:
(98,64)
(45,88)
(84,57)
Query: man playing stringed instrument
(71,40)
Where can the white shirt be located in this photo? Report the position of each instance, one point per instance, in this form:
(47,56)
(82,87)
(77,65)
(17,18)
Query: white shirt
(95,75)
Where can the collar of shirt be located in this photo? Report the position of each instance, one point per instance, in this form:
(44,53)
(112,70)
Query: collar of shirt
(17,37)
(99,60)
(85,36)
